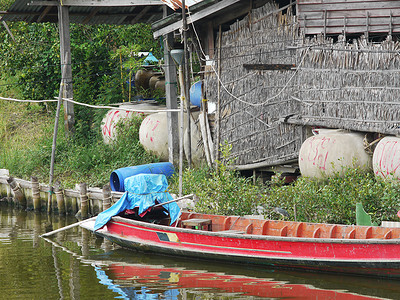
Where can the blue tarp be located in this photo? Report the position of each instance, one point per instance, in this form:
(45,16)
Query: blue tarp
(142,191)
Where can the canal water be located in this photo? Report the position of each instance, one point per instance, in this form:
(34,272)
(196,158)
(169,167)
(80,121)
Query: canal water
(75,264)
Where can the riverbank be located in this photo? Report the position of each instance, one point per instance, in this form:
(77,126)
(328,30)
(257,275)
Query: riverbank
(26,132)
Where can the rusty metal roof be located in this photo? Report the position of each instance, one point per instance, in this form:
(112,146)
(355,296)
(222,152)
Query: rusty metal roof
(46,11)
(175,4)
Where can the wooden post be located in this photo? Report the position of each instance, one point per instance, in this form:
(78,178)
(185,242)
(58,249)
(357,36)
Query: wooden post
(18,194)
(344,30)
(74,205)
(171,97)
(84,200)
(65,48)
(186,82)
(218,117)
(60,198)
(106,196)
(36,194)
(53,147)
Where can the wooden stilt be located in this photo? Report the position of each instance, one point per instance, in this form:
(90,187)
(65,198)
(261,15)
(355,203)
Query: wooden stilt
(36,194)
(18,194)
(84,200)
(60,198)
(106,196)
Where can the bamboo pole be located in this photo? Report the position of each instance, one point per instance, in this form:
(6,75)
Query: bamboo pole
(106,196)
(181,120)
(218,119)
(186,82)
(18,194)
(35,194)
(53,147)
(67,227)
(84,200)
(60,198)
(174,200)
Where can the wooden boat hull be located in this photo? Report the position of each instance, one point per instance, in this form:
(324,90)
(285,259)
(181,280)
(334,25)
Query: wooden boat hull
(375,257)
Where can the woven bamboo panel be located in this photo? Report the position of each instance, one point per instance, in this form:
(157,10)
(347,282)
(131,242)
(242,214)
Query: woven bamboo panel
(335,84)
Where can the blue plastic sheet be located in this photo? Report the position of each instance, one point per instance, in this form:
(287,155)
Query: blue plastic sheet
(142,191)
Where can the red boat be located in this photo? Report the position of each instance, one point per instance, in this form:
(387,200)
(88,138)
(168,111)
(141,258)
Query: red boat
(364,250)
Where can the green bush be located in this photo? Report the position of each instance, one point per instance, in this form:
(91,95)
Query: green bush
(221,191)
(333,200)
(329,200)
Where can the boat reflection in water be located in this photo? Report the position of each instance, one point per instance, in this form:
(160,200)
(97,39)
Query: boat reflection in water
(180,280)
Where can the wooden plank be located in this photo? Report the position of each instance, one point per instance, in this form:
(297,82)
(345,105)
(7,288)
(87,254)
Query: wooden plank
(336,22)
(195,17)
(277,67)
(42,3)
(354,29)
(361,13)
(110,3)
(378,5)
(309,2)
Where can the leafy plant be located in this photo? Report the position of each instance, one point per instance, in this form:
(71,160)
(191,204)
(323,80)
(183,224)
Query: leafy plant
(220,191)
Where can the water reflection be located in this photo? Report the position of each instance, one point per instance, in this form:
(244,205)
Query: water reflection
(149,276)
(75,264)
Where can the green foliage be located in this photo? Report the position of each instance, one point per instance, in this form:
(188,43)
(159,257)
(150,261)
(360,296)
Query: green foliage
(34,60)
(77,162)
(5,4)
(331,200)
(221,191)
(334,200)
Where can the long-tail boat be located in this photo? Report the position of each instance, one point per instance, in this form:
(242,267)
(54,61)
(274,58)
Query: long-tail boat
(364,250)
(147,218)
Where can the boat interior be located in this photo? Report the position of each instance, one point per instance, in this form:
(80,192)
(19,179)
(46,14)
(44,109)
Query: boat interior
(244,225)
(254,226)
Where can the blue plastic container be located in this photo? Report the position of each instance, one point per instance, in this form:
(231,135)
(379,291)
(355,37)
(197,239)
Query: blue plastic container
(195,94)
(118,176)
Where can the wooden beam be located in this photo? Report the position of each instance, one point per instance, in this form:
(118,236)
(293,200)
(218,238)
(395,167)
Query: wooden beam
(171,98)
(195,17)
(108,3)
(99,3)
(42,3)
(44,13)
(271,67)
(140,14)
(91,15)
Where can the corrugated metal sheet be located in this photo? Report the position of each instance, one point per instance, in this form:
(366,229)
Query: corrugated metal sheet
(349,16)
(21,11)
(175,4)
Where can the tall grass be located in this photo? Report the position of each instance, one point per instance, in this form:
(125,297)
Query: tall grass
(26,144)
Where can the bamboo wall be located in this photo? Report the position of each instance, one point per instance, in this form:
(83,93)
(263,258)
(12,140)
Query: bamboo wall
(254,101)
(334,83)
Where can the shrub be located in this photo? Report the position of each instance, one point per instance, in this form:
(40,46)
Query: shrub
(333,200)
(221,191)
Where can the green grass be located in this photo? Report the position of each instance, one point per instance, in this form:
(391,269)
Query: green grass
(26,135)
